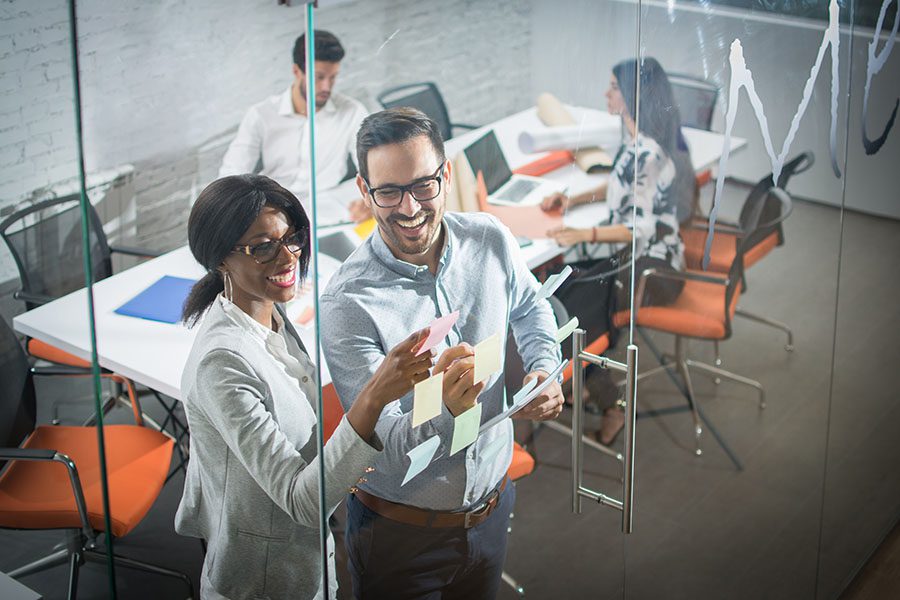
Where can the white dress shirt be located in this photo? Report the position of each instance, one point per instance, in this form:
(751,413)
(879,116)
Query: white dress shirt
(271,130)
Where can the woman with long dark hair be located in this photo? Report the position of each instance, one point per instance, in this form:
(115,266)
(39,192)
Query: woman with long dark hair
(252,489)
(643,191)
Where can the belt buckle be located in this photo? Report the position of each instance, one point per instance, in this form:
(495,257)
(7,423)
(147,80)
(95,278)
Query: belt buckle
(482,510)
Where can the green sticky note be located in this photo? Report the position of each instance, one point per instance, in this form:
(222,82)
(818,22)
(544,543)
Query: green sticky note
(465,429)
(427,399)
(566,330)
(487,357)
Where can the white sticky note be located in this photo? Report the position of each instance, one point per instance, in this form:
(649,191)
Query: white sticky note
(490,453)
(420,457)
(566,330)
(465,429)
(487,357)
(522,393)
(427,399)
(552,284)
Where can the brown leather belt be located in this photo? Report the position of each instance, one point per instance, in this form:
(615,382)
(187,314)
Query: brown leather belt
(421,517)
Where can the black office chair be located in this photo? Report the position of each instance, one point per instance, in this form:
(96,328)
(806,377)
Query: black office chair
(426,97)
(696,100)
(45,242)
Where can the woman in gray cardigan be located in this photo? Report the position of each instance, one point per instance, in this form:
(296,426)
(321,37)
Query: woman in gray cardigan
(252,482)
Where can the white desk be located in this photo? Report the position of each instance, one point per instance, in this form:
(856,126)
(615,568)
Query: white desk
(153,354)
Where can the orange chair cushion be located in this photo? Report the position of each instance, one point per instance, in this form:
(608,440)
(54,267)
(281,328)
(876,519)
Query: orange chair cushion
(699,312)
(724,247)
(45,351)
(761,249)
(598,347)
(522,463)
(38,495)
(703,177)
(333,410)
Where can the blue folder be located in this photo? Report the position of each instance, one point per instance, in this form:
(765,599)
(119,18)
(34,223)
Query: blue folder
(163,301)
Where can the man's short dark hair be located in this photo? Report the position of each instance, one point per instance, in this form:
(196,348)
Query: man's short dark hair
(328,49)
(395,126)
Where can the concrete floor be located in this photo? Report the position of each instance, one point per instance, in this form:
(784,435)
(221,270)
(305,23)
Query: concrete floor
(818,489)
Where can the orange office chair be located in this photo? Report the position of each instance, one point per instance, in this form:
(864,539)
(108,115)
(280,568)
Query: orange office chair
(704,310)
(764,238)
(52,478)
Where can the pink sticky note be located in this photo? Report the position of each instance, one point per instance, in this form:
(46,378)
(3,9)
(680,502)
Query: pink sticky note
(440,327)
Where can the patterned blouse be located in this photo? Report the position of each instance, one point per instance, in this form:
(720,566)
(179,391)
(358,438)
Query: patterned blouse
(653,196)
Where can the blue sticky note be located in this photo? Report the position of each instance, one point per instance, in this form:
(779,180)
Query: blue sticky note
(163,301)
(420,457)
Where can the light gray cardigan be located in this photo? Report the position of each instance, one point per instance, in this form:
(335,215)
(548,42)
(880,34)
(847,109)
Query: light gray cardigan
(252,480)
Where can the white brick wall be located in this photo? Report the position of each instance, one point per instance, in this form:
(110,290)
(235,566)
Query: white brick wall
(160,79)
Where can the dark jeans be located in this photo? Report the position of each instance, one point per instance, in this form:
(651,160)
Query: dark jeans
(396,561)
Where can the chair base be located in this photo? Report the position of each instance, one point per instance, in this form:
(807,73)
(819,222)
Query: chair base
(78,550)
(789,347)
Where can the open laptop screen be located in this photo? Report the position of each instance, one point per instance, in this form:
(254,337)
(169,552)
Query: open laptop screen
(486,156)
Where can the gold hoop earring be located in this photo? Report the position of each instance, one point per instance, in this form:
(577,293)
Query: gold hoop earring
(229,286)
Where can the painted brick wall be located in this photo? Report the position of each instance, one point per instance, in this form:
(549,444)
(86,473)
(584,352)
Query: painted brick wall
(165,83)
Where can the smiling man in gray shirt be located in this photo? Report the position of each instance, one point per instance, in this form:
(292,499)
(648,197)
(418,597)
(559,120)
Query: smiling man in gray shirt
(443,533)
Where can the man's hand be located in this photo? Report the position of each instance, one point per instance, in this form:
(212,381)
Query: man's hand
(359,211)
(546,406)
(460,391)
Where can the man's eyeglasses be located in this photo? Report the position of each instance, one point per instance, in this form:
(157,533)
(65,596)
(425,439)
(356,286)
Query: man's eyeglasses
(389,196)
(268,251)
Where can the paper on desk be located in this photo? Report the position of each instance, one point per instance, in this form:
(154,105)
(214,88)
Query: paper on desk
(465,429)
(420,457)
(552,113)
(520,401)
(365,229)
(487,357)
(571,137)
(427,399)
(439,329)
(566,330)
(552,284)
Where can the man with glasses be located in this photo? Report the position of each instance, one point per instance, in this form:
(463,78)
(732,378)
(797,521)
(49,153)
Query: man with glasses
(443,532)
(274,132)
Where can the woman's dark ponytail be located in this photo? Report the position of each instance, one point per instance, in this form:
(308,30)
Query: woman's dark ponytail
(202,295)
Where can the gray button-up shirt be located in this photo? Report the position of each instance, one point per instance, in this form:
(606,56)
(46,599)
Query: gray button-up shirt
(375,301)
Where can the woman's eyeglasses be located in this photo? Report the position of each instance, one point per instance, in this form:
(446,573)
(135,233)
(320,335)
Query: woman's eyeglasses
(266,252)
(389,196)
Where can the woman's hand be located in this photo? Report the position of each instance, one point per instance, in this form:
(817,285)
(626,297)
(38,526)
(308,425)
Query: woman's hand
(460,390)
(569,236)
(555,201)
(400,370)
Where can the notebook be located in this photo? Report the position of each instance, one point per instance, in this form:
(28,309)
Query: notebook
(163,301)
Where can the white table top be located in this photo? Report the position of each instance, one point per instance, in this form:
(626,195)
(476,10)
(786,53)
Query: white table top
(153,354)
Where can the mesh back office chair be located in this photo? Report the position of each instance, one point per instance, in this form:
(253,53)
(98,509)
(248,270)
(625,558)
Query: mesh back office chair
(426,97)
(760,240)
(696,100)
(45,242)
(51,478)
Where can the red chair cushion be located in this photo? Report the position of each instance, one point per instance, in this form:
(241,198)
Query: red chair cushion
(38,495)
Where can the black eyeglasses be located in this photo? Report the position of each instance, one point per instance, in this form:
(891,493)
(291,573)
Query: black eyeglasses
(423,190)
(268,251)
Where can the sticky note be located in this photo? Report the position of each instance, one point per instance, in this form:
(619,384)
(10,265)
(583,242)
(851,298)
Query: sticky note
(566,330)
(522,393)
(552,284)
(487,357)
(492,449)
(427,399)
(365,229)
(420,457)
(439,329)
(465,429)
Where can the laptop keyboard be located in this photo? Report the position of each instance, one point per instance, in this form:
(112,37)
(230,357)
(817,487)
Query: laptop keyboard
(517,191)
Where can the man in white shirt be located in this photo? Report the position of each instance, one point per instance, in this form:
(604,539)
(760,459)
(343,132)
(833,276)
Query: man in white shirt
(275,130)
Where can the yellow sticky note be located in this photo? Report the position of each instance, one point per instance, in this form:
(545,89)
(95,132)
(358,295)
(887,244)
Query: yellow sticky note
(465,429)
(487,357)
(365,229)
(427,399)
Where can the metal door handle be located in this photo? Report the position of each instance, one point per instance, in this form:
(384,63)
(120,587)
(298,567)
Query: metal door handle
(626,505)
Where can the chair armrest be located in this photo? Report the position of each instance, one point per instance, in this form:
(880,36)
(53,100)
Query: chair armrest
(719,228)
(31,297)
(27,454)
(60,370)
(679,275)
(135,251)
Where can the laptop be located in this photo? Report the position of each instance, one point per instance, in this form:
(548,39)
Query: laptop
(503,187)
